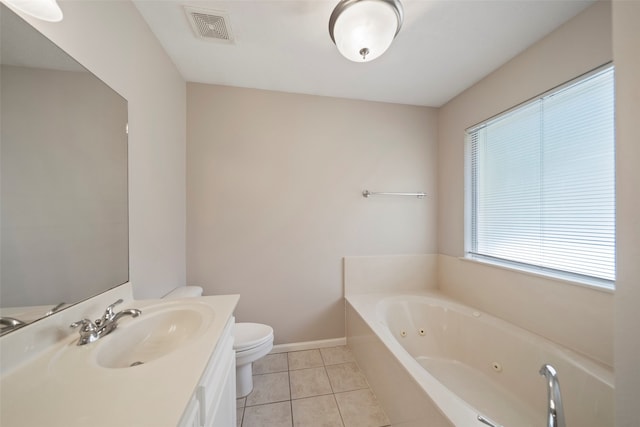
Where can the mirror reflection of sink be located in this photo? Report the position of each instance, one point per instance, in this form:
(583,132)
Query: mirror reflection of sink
(152,336)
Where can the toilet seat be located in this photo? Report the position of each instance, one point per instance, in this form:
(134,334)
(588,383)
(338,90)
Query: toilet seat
(252,341)
(251,335)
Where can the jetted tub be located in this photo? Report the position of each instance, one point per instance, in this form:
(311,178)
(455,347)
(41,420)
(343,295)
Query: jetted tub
(460,363)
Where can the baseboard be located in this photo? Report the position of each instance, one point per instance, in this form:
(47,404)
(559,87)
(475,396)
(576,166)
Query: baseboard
(308,345)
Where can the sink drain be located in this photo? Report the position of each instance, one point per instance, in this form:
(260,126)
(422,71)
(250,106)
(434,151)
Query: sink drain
(136,363)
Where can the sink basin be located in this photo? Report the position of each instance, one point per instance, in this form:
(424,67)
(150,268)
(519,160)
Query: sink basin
(152,336)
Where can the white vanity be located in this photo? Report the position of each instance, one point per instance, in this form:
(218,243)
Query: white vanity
(173,365)
(213,402)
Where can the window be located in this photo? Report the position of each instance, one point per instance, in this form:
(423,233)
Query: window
(541,181)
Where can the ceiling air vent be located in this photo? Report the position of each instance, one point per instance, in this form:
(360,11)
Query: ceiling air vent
(210,24)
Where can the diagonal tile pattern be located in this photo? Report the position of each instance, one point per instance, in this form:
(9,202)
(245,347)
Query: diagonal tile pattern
(310,388)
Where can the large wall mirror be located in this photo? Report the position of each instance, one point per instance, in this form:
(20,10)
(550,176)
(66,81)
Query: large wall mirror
(63,178)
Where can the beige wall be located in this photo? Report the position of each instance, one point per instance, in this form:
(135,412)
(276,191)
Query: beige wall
(274,202)
(390,273)
(111,39)
(556,310)
(626,54)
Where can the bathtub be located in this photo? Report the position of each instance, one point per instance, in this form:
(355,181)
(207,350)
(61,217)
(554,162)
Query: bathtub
(434,362)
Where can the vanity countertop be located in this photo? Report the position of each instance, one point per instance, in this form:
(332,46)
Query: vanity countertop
(66,386)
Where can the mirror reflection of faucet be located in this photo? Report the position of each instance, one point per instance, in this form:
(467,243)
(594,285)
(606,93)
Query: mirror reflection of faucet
(10,324)
(487,421)
(93,331)
(54,309)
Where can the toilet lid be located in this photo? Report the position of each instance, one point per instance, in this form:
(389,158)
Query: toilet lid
(249,335)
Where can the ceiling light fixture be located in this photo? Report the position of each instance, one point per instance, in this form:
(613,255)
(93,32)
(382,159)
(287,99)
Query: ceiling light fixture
(363,30)
(46,10)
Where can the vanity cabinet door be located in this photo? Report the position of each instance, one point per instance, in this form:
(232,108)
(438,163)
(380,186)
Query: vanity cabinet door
(225,414)
(214,402)
(191,416)
(217,389)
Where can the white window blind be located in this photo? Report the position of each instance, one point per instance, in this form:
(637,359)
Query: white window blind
(543,182)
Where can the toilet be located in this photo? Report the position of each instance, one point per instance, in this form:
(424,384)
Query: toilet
(252,341)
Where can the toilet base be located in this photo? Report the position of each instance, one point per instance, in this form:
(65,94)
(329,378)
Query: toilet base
(244,380)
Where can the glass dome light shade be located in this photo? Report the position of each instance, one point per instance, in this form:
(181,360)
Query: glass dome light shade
(364,29)
(46,10)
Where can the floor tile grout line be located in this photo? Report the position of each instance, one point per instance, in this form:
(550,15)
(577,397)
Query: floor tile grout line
(332,393)
(291,409)
(268,403)
(329,378)
(293,423)
(311,397)
(339,411)
(322,357)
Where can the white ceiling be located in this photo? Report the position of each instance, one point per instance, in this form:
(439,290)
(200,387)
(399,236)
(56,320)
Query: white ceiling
(24,46)
(444,46)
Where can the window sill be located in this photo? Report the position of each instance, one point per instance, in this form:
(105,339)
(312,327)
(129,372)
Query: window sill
(595,284)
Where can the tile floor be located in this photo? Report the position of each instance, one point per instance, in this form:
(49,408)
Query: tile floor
(321,387)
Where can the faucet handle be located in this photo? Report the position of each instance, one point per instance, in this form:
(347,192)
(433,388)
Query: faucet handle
(88,331)
(108,313)
(86,325)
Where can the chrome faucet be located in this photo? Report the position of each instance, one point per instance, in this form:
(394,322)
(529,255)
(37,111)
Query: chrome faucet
(555,412)
(93,331)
